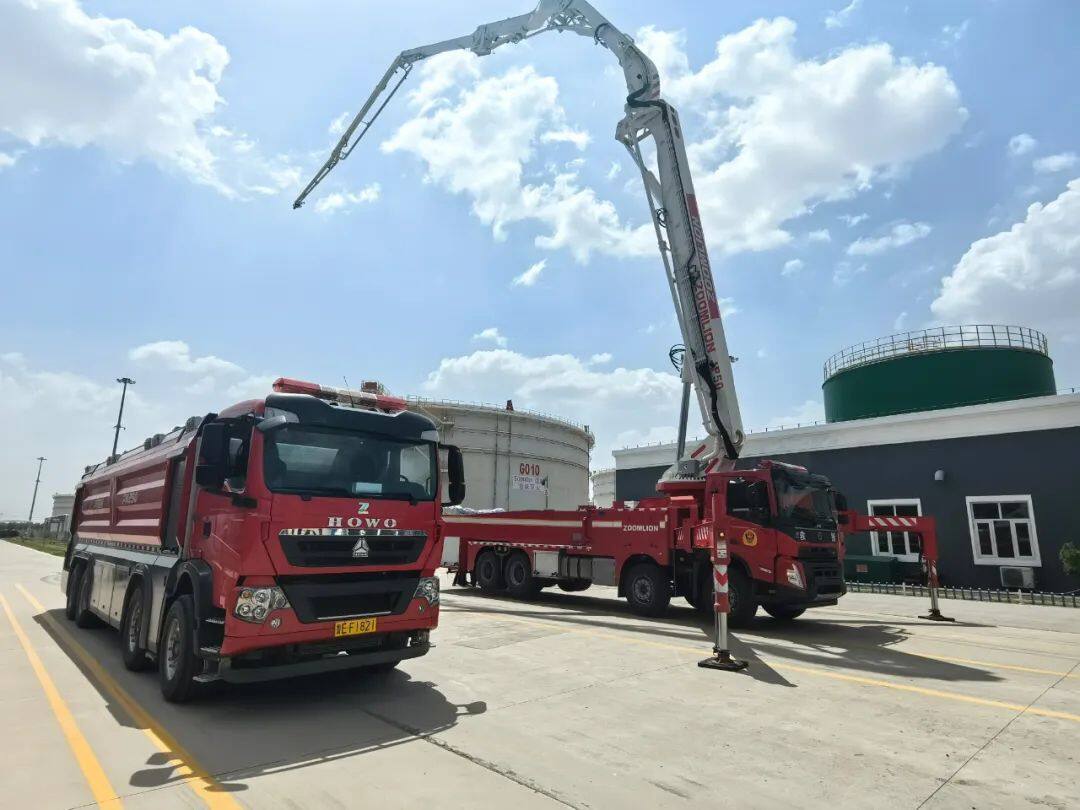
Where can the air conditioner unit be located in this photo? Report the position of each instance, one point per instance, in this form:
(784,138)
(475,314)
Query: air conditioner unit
(1016,577)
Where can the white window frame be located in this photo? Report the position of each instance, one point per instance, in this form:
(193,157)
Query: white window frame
(1034,561)
(917,503)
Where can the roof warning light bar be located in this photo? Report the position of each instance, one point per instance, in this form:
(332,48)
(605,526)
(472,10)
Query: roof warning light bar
(371,394)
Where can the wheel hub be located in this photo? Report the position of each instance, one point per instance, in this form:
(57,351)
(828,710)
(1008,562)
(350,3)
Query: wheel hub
(643,590)
(172,650)
(133,625)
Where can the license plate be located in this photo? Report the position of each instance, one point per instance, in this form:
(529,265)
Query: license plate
(355,627)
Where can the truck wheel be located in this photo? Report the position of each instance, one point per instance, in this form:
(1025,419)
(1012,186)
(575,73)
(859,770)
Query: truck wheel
(742,604)
(74,582)
(177,664)
(83,617)
(488,573)
(134,653)
(520,582)
(784,613)
(647,589)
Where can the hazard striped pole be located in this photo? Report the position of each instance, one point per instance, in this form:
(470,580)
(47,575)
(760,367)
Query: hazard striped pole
(930,554)
(721,657)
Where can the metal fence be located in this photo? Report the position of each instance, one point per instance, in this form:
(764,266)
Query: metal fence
(971,594)
(933,340)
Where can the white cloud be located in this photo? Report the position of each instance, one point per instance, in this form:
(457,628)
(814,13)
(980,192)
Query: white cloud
(951,34)
(492,334)
(613,170)
(344,200)
(578,138)
(340,124)
(900,324)
(762,353)
(1022,144)
(175,355)
(792,267)
(621,405)
(727,307)
(845,272)
(530,276)
(851,220)
(71,79)
(783,134)
(600,359)
(808,413)
(457,110)
(1028,275)
(1054,163)
(838,19)
(903,233)
(822,235)
(7,160)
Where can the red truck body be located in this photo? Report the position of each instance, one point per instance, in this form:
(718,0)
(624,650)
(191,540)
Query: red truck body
(780,523)
(306,541)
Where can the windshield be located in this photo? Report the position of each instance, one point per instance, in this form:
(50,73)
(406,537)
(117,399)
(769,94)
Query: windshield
(322,461)
(803,504)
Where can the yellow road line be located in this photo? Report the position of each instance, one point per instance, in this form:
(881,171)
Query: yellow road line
(817,673)
(103,792)
(205,786)
(1015,667)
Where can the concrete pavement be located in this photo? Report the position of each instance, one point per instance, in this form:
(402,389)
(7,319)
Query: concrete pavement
(569,701)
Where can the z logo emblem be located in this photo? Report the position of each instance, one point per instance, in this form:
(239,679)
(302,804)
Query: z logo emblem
(362,508)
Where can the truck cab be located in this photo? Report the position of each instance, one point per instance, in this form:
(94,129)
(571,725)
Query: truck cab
(781,526)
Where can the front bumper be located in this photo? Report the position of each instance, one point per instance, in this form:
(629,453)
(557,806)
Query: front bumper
(234,671)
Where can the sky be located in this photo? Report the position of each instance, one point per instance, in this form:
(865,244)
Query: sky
(863,169)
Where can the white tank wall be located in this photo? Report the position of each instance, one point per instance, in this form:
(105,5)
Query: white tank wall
(603,487)
(508,454)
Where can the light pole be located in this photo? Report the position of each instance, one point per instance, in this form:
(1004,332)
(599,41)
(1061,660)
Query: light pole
(33,501)
(125,381)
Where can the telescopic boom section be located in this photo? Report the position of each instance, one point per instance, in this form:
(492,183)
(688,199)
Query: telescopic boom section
(670,192)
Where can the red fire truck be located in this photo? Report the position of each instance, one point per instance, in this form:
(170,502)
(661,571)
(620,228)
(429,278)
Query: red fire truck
(779,521)
(293,534)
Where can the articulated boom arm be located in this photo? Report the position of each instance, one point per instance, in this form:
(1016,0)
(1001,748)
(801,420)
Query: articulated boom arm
(672,202)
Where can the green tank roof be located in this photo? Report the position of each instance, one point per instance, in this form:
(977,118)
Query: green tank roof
(937,368)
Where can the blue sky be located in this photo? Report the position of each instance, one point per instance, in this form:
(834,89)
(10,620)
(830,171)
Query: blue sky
(147,170)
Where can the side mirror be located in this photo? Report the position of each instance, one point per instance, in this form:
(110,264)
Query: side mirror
(455,474)
(213,456)
(214,448)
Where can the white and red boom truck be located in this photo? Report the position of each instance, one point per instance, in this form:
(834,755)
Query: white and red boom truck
(780,523)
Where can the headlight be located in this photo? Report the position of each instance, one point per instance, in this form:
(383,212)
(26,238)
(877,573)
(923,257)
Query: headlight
(254,604)
(794,576)
(428,588)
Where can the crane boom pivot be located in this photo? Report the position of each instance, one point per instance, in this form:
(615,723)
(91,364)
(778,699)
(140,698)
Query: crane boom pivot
(672,203)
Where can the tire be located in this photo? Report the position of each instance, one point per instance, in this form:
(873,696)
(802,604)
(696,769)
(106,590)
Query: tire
(574,585)
(488,572)
(133,652)
(784,613)
(520,582)
(647,589)
(177,663)
(83,617)
(72,597)
(742,602)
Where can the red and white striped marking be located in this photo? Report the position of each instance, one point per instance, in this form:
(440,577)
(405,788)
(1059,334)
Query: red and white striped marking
(886,522)
(720,578)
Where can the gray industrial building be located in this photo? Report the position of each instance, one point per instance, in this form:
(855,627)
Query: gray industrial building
(984,444)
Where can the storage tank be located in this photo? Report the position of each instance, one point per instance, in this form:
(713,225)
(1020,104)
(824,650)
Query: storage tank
(937,368)
(603,487)
(514,459)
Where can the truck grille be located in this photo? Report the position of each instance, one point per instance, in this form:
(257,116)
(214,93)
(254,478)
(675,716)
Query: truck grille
(323,597)
(337,547)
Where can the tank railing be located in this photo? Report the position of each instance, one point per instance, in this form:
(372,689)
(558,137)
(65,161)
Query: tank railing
(937,339)
(487,406)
